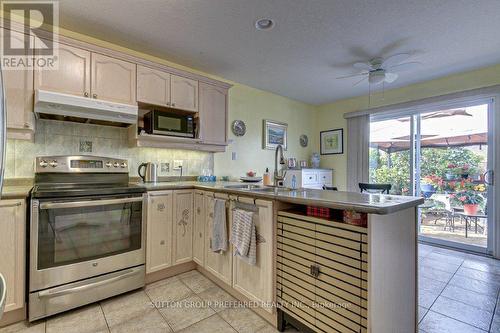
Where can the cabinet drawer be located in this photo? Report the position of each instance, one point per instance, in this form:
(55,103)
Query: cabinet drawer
(325,177)
(309,178)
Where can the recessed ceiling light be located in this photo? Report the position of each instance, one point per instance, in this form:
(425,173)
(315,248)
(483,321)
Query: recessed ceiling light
(264,24)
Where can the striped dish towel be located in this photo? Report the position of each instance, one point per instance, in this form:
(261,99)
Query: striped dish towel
(219,227)
(244,236)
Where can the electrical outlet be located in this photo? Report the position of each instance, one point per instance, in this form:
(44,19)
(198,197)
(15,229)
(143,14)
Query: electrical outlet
(164,167)
(234,156)
(177,164)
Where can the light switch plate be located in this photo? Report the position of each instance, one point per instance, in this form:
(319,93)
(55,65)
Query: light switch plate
(164,167)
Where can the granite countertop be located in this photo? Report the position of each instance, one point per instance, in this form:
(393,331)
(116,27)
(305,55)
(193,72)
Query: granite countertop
(361,202)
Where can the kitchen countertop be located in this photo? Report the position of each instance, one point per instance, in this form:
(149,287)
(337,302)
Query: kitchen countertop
(360,202)
(16,191)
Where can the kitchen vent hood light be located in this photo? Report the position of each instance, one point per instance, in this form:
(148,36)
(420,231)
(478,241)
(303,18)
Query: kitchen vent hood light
(264,24)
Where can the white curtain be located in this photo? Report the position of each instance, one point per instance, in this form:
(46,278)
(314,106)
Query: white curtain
(358,140)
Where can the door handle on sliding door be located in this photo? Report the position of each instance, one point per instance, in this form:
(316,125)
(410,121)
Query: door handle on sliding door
(489,177)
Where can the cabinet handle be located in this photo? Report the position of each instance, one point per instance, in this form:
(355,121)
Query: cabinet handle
(173,104)
(162,242)
(26,125)
(94,95)
(198,210)
(168,103)
(86,94)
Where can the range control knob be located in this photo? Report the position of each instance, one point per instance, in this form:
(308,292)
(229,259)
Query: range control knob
(109,164)
(43,163)
(53,163)
(116,164)
(123,165)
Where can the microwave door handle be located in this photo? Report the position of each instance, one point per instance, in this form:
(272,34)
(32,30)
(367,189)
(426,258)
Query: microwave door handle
(92,203)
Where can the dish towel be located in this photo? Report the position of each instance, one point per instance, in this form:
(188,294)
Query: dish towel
(244,236)
(219,227)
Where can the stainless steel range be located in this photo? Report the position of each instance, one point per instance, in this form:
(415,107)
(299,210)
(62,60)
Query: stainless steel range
(86,233)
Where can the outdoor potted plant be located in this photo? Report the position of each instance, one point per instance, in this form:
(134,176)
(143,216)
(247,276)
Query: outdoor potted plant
(450,173)
(429,185)
(469,199)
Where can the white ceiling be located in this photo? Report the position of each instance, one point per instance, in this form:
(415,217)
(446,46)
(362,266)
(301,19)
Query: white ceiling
(313,42)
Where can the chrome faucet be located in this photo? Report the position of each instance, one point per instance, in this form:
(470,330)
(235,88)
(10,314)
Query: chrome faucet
(279,176)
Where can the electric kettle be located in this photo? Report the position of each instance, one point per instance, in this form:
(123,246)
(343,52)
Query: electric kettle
(150,172)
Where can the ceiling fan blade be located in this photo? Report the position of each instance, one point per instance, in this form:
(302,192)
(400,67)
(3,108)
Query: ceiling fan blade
(362,65)
(395,59)
(363,79)
(407,66)
(390,77)
(352,75)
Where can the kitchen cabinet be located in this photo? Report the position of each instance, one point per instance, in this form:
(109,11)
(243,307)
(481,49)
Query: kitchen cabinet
(153,86)
(13,250)
(72,75)
(18,87)
(323,262)
(213,114)
(183,93)
(182,249)
(310,178)
(199,228)
(113,79)
(256,281)
(159,231)
(219,264)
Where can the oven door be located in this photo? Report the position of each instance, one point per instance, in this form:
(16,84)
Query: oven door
(80,238)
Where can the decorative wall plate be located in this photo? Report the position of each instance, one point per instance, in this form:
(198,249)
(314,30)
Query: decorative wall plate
(304,140)
(239,128)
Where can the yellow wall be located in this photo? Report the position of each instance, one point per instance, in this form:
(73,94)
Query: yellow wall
(332,115)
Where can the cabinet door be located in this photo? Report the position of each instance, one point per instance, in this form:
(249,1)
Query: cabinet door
(113,79)
(245,275)
(18,85)
(72,75)
(213,114)
(199,228)
(159,231)
(219,264)
(12,249)
(184,93)
(326,177)
(153,86)
(183,226)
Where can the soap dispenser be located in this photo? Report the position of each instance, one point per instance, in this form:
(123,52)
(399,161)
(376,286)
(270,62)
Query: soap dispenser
(267,178)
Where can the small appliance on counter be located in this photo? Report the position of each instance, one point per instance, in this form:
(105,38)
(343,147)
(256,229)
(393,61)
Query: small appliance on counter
(170,124)
(150,174)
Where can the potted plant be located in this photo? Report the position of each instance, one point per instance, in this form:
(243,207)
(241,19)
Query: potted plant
(429,185)
(470,199)
(450,173)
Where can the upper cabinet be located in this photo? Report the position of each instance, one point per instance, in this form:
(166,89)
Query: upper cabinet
(72,75)
(113,79)
(18,85)
(153,86)
(213,114)
(184,93)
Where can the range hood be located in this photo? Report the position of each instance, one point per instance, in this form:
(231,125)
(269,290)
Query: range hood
(52,105)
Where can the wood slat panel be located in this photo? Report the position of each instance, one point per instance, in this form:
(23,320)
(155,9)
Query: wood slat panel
(328,305)
(337,322)
(339,233)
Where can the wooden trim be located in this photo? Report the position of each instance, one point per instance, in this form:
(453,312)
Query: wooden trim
(121,55)
(170,271)
(13,316)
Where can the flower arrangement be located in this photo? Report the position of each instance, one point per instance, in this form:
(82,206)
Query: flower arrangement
(467,197)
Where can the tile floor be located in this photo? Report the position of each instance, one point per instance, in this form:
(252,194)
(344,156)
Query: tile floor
(459,293)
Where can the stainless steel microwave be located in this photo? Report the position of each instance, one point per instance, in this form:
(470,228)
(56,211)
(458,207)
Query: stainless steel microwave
(165,123)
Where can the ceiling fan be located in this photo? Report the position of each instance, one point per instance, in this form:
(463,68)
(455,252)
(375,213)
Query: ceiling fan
(379,70)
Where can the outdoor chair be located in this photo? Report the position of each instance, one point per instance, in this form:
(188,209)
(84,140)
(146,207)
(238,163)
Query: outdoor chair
(375,188)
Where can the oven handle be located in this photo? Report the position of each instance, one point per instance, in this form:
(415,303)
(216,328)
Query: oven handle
(61,292)
(77,204)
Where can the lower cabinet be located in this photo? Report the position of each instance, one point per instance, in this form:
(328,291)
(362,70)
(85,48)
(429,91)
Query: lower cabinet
(159,231)
(13,250)
(219,264)
(256,281)
(182,249)
(199,228)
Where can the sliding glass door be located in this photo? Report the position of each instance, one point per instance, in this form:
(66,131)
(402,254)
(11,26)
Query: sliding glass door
(444,156)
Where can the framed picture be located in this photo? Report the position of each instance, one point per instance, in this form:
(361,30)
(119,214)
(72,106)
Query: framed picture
(275,133)
(332,141)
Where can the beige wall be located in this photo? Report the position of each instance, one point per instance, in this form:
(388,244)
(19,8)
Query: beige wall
(332,115)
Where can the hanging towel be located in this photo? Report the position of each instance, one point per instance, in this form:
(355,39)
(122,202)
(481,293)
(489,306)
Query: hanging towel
(219,227)
(244,236)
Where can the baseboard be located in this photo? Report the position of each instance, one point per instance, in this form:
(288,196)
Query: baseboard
(271,318)
(169,272)
(13,316)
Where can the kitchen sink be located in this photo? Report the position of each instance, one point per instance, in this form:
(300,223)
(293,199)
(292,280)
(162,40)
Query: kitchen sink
(243,186)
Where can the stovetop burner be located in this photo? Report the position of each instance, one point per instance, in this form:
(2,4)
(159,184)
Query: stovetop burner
(76,176)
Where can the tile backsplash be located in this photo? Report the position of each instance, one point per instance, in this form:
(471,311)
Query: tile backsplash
(64,138)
